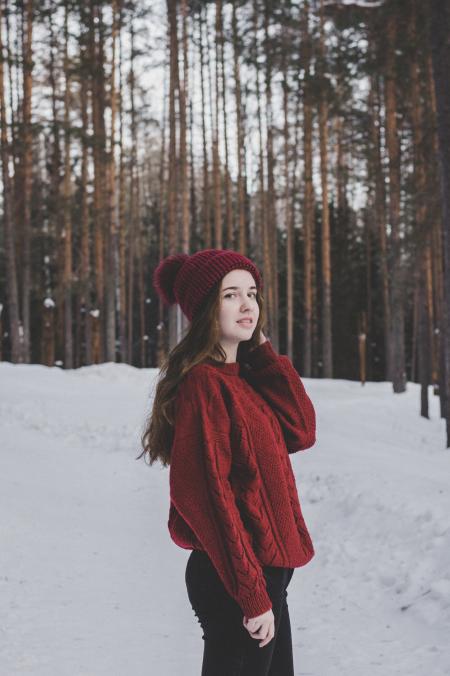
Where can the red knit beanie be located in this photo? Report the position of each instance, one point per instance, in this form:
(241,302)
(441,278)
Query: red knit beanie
(186,280)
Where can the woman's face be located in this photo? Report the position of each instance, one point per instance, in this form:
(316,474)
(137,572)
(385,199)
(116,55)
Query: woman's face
(237,303)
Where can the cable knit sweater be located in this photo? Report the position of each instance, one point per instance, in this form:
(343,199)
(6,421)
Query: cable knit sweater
(232,489)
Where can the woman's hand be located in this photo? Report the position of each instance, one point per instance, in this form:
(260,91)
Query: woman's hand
(262,626)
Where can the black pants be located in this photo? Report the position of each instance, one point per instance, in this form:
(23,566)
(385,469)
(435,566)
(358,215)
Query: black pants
(229,650)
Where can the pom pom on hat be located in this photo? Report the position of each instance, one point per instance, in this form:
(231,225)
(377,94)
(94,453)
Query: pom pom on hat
(165,274)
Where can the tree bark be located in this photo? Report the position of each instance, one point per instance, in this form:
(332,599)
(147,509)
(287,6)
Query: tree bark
(229,224)
(272,270)
(111,252)
(100,163)
(396,272)
(184,184)
(67,230)
(288,220)
(308,200)
(327,338)
(206,229)
(218,234)
(440,46)
(123,230)
(85,265)
(379,211)
(242,235)
(10,254)
(173,178)
(27,160)
(421,217)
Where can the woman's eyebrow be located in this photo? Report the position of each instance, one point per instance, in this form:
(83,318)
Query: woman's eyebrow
(237,287)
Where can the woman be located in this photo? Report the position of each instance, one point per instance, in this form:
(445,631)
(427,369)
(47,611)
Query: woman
(226,414)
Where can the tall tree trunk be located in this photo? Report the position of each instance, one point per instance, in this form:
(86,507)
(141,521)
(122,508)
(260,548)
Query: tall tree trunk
(422,221)
(207,239)
(122,243)
(272,271)
(67,231)
(218,235)
(161,333)
(440,45)
(143,337)
(99,153)
(193,181)
(173,178)
(437,249)
(85,265)
(308,204)
(184,178)
(27,160)
(48,343)
(242,239)
(327,339)
(134,204)
(15,328)
(229,225)
(396,272)
(379,211)
(184,184)
(288,220)
(111,252)
(297,177)
(262,220)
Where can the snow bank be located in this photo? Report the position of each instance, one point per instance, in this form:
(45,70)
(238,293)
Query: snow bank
(91,583)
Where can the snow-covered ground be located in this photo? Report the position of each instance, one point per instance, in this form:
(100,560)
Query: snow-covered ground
(92,585)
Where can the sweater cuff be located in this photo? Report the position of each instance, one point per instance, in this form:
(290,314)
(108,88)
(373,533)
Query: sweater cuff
(256,604)
(262,356)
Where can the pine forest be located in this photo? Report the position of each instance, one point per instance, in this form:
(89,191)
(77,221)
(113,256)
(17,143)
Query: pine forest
(310,135)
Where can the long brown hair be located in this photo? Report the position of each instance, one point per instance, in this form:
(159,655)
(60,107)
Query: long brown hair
(200,343)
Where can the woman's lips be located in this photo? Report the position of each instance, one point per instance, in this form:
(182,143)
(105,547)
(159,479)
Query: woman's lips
(245,322)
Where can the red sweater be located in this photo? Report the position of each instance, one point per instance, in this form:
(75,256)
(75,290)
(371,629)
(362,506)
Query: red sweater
(232,489)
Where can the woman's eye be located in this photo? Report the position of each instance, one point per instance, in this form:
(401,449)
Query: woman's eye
(252,293)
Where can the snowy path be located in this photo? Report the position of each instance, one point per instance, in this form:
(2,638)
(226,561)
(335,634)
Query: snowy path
(91,584)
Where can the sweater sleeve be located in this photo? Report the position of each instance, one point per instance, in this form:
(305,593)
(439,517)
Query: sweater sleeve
(276,379)
(200,489)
